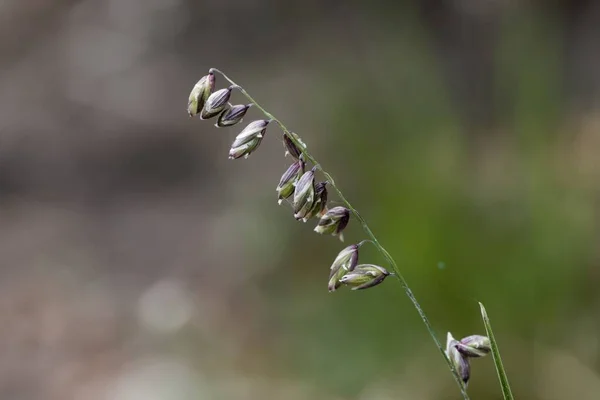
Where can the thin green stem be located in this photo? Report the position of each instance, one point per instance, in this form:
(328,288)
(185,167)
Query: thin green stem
(365,227)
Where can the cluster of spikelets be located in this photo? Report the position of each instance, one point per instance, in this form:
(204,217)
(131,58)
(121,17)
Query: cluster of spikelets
(298,184)
(308,198)
(461,351)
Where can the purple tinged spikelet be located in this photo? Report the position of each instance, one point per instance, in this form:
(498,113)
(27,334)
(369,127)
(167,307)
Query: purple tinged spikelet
(255,129)
(458,360)
(249,139)
(346,260)
(474,346)
(232,115)
(304,194)
(200,93)
(288,180)
(244,150)
(364,276)
(290,147)
(216,103)
(333,222)
(320,204)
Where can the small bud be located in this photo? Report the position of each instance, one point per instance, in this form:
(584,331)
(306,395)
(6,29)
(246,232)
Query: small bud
(200,93)
(290,146)
(216,103)
(248,139)
(320,204)
(474,346)
(232,115)
(333,222)
(364,276)
(288,180)
(459,361)
(304,194)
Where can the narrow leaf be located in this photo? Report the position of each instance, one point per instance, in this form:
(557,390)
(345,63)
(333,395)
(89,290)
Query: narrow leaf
(506,393)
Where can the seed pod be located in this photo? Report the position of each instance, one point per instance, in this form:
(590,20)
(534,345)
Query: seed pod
(290,146)
(364,276)
(459,361)
(200,93)
(474,346)
(333,222)
(232,115)
(216,103)
(320,204)
(304,194)
(288,180)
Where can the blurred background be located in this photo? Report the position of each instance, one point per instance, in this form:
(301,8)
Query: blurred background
(138,262)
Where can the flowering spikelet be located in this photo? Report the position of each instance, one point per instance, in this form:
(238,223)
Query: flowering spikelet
(364,276)
(216,103)
(248,139)
(458,360)
(320,204)
(244,150)
(200,93)
(304,194)
(232,115)
(474,346)
(290,146)
(333,222)
(345,261)
(288,180)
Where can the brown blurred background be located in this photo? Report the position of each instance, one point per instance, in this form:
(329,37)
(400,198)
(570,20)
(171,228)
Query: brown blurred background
(138,262)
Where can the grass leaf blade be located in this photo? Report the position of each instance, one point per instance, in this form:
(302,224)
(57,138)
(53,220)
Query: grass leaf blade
(506,393)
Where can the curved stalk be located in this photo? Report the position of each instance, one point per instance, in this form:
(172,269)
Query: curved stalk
(365,227)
